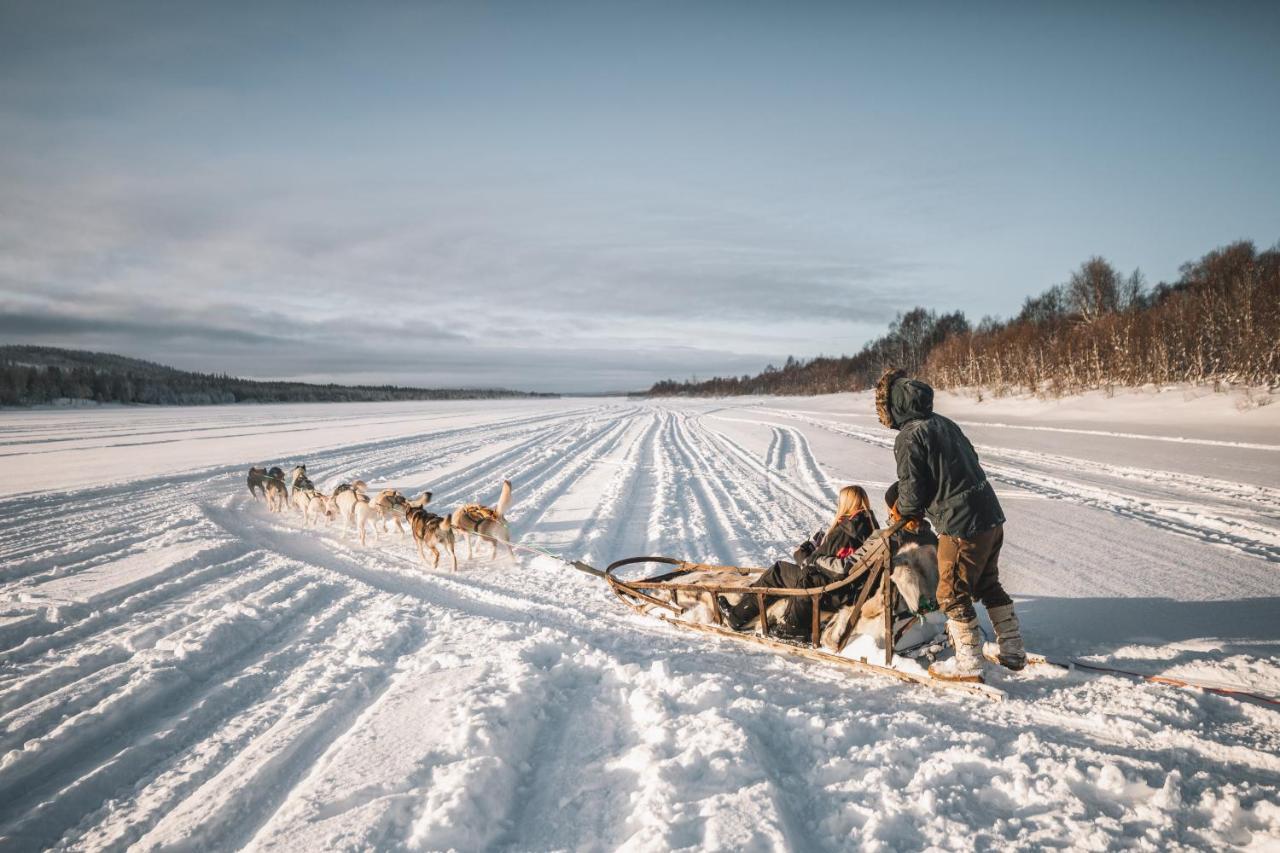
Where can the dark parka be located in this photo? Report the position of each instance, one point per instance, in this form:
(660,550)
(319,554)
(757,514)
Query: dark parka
(938,470)
(826,560)
(834,549)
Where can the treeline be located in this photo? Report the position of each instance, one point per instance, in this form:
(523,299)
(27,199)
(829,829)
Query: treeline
(31,376)
(911,337)
(1219,322)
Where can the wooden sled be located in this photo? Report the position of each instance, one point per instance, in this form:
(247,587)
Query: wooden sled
(670,595)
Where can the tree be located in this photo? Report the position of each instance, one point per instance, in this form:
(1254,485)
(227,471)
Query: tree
(1094,290)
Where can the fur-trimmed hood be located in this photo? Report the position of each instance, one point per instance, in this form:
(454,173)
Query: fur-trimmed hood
(900,399)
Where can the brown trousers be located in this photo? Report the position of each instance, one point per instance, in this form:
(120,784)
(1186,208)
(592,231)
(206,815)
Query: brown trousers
(969,569)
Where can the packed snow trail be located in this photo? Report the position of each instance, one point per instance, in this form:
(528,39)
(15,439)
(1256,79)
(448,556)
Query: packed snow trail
(179,667)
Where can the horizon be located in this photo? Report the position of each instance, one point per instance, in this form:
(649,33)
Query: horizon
(584,197)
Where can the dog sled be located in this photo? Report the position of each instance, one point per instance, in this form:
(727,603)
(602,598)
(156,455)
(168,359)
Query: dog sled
(687,595)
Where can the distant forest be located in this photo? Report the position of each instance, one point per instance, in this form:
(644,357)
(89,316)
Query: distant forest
(1219,322)
(31,376)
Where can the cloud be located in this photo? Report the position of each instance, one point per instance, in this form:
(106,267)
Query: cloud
(338,280)
(255,344)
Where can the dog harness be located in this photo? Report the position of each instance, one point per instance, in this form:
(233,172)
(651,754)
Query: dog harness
(479,513)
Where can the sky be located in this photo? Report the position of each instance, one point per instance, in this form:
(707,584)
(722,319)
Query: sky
(594,196)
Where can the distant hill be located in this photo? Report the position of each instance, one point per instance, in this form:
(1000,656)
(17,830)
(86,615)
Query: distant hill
(33,376)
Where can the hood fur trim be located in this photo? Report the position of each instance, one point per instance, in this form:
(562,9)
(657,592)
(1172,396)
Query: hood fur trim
(883,388)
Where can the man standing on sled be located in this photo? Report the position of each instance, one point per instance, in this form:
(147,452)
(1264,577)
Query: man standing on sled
(939,474)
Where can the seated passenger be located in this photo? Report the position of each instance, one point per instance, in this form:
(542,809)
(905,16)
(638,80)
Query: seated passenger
(823,559)
(914,571)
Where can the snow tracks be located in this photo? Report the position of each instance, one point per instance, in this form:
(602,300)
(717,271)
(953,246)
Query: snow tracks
(181,669)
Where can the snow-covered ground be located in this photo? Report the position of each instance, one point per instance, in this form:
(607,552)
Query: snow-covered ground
(178,668)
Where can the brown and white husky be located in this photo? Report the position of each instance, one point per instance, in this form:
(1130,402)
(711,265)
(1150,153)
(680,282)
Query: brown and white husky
(258,478)
(479,521)
(276,493)
(430,531)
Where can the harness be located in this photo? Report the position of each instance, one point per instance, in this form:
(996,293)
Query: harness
(428,517)
(479,513)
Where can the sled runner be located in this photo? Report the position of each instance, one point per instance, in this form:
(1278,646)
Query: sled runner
(1233,691)
(687,595)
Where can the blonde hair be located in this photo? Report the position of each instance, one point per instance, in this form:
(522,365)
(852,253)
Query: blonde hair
(851,501)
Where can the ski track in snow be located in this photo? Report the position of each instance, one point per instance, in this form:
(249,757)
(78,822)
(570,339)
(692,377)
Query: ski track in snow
(181,669)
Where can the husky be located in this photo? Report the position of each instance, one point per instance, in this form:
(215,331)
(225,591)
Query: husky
(317,505)
(368,511)
(477,520)
(276,494)
(298,479)
(429,531)
(387,503)
(304,491)
(257,478)
(344,499)
(390,505)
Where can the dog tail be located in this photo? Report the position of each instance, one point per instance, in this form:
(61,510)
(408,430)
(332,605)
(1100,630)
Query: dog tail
(504,500)
(358,486)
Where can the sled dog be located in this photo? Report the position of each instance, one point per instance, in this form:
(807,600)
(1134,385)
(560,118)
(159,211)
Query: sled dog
(316,506)
(390,505)
(345,497)
(431,531)
(387,503)
(276,493)
(298,479)
(257,482)
(479,521)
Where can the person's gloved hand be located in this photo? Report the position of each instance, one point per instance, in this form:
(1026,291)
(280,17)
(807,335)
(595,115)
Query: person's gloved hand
(803,551)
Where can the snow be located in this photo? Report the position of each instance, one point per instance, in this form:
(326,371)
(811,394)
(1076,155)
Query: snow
(181,669)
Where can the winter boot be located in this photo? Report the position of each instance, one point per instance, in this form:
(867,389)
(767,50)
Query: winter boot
(1011,655)
(967,663)
(739,615)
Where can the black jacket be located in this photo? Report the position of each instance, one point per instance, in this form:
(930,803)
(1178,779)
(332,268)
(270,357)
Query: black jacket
(938,469)
(834,550)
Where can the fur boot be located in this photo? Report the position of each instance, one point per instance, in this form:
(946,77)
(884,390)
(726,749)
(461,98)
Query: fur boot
(1012,654)
(967,663)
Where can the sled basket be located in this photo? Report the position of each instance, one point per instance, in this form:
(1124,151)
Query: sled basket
(687,585)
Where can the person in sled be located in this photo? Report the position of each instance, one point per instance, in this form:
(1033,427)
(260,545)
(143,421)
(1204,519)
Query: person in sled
(939,474)
(820,560)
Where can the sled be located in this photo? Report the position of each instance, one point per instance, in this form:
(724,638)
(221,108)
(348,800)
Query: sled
(686,585)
